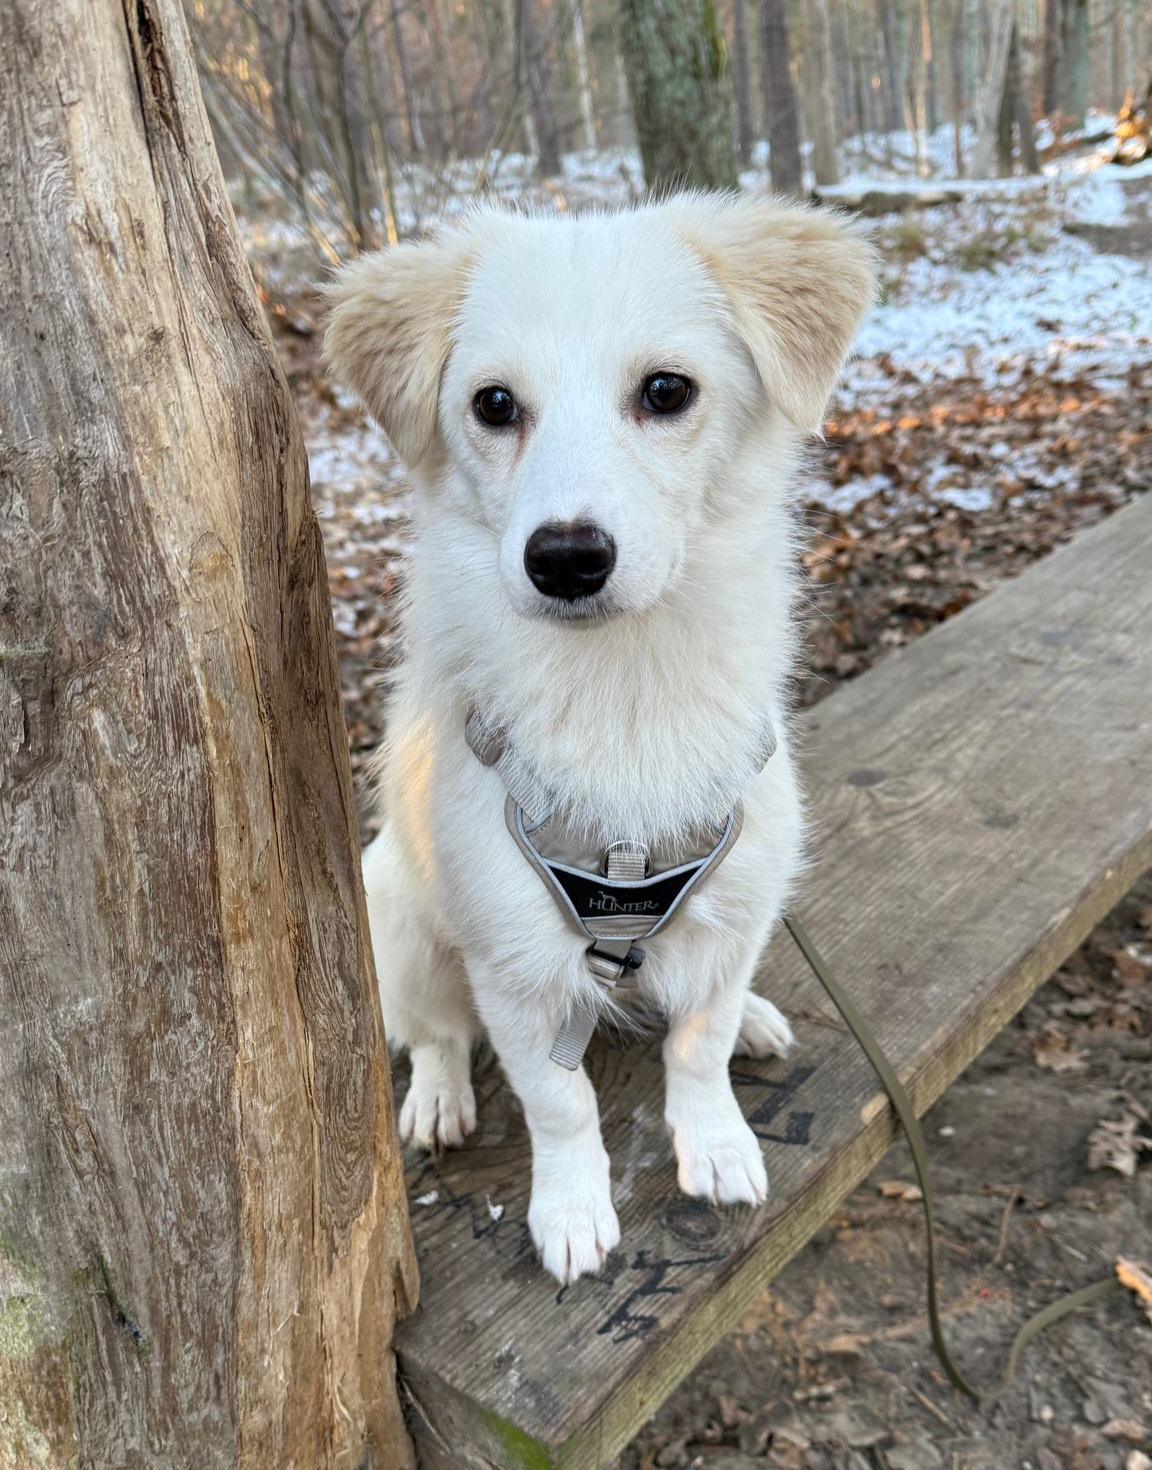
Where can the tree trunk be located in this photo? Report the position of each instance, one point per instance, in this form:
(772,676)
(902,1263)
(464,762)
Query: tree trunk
(928,57)
(203,1237)
(543,118)
(990,92)
(1075,59)
(844,59)
(677,68)
(824,129)
(782,124)
(1053,47)
(1004,120)
(893,73)
(1019,108)
(745,129)
(583,80)
(407,82)
(959,90)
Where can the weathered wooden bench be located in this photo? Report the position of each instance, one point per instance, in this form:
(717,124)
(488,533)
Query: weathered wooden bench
(980,801)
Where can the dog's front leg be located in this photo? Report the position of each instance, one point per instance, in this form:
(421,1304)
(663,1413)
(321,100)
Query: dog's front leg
(570,1214)
(718,1156)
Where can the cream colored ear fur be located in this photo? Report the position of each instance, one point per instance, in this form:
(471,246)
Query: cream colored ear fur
(799,281)
(389,332)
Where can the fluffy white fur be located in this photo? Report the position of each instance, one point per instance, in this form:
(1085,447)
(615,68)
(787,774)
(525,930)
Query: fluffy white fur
(644,715)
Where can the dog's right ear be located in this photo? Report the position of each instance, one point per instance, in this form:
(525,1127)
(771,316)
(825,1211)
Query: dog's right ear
(389,333)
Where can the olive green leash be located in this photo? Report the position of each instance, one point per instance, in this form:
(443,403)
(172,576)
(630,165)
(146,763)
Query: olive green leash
(906,1113)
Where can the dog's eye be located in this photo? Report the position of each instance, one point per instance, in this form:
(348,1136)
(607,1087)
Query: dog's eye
(496,407)
(665,393)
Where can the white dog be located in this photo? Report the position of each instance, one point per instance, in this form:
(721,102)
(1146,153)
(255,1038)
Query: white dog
(603,415)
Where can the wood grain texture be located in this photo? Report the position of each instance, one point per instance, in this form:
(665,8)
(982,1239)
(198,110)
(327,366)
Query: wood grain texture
(980,801)
(203,1236)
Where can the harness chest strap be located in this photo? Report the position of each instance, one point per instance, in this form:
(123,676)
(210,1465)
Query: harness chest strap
(614,905)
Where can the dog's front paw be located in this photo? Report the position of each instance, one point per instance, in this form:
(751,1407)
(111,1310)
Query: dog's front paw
(764,1031)
(573,1225)
(440,1108)
(720,1160)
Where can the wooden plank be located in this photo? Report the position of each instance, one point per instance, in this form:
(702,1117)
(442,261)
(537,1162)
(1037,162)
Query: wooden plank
(980,801)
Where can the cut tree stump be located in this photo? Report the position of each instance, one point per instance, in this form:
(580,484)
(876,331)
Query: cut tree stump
(979,801)
(203,1234)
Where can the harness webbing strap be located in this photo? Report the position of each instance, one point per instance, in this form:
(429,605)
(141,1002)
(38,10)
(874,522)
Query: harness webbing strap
(906,1113)
(608,960)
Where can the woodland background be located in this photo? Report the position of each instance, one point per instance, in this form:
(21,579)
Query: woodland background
(1000,401)
(367,118)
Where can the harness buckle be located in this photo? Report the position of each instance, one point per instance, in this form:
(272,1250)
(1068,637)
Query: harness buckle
(611,967)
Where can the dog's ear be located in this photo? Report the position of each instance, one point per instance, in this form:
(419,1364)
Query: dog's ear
(389,333)
(799,281)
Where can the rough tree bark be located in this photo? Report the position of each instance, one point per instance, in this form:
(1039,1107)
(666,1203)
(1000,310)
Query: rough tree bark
(745,127)
(203,1240)
(583,80)
(1075,59)
(959,89)
(681,90)
(990,92)
(825,133)
(1053,47)
(1016,114)
(893,72)
(781,122)
(543,117)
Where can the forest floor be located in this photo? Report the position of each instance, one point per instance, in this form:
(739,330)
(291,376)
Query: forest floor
(1001,401)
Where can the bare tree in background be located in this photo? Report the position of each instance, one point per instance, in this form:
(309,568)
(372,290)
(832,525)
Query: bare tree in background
(783,124)
(745,135)
(583,78)
(991,89)
(543,117)
(822,94)
(677,67)
(888,17)
(1052,47)
(1075,60)
(362,118)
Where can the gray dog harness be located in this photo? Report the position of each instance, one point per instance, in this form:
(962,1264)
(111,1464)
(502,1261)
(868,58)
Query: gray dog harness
(615,904)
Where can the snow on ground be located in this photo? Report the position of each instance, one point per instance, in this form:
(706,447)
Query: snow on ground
(1068,301)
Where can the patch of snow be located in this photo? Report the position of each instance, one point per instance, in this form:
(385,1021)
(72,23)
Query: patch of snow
(843,499)
(1064,302)
(975,499)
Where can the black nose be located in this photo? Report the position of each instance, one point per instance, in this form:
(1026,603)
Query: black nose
(569,561)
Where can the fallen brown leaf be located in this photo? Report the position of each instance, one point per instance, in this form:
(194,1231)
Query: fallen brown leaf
(1129,1429)
(1133,964)
(1137,1278)
(1053,1050)
(1115,1144)
(900,1189)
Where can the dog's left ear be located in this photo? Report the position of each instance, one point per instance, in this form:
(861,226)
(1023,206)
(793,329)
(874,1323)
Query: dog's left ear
(389,332)
(799,281)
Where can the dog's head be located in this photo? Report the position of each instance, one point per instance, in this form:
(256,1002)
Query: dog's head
(579,386)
